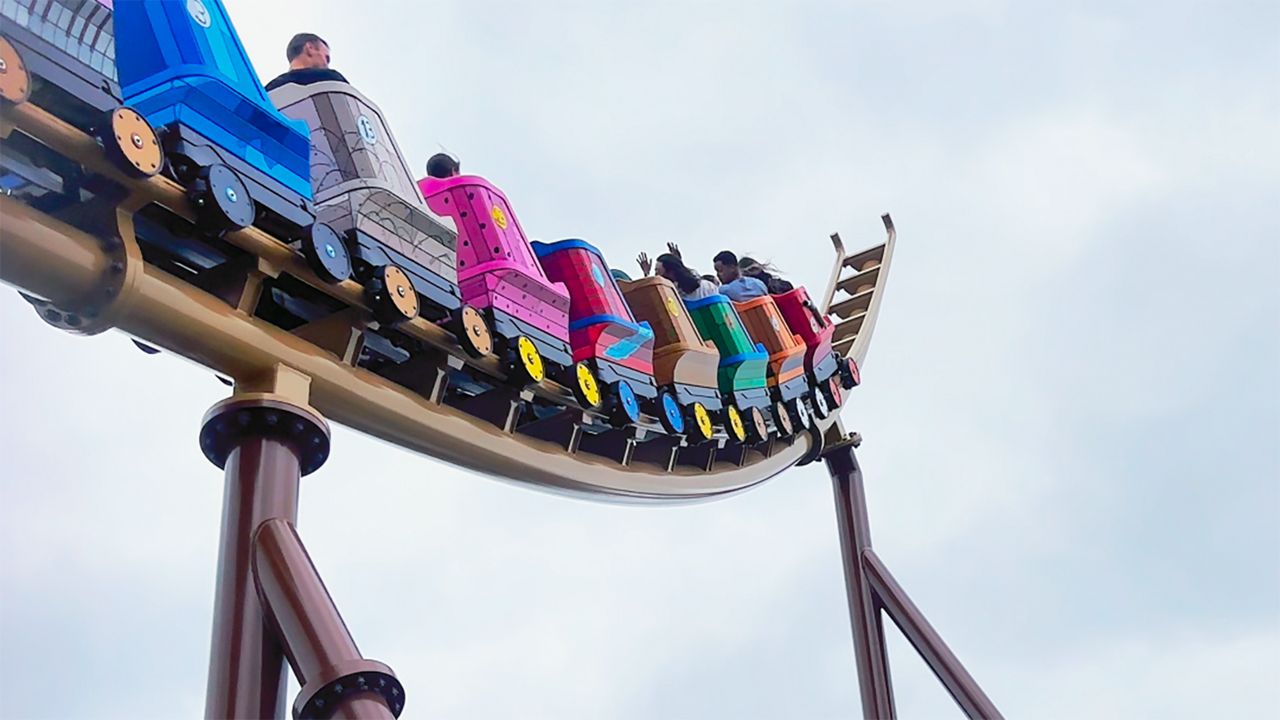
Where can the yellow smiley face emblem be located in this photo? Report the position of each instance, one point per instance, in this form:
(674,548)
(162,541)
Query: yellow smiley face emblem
(673,308)
(499,217)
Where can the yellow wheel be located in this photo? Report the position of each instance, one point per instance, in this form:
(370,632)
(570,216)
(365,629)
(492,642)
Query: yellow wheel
(528,362)
(701,427)
(15,83)
(586,388)
(733,424)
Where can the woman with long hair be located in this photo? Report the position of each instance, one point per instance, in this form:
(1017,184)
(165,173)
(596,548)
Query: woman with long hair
(669,266)
(766,273)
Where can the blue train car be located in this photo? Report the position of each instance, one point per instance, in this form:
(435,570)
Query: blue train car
(181,64)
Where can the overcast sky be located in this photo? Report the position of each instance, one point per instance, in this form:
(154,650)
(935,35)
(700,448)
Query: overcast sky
(1071,409)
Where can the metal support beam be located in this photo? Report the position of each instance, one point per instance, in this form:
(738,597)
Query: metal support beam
(953,675)
(871,589)
(247,662)
(270,603)
(855,536)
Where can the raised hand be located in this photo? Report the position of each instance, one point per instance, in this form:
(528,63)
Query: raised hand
(646,265)
(674,249)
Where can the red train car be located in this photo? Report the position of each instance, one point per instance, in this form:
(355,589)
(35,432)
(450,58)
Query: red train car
(604,333)
(825,368)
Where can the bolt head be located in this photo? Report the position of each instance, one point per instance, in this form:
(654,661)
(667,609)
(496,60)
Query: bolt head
(136,139)
(232,195)
(330,251)
(400,290)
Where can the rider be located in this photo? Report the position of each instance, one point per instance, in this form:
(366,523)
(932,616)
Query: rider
(765,273)
(738,287)
(308,62)
(443,165)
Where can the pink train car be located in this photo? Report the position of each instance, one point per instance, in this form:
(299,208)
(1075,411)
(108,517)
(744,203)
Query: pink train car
(498,273)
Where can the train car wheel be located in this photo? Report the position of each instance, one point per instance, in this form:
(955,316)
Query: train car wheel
(15,81)
(782,419)
(525,363)
(626,406)
(670,413)
(757,428)
(326,253)
(834,393)
(850,377)
(131,143)
(586,388)
(800,413)
(391,295)
(700,427)
(472,331)
(221,200)
(733,424)
(821,405)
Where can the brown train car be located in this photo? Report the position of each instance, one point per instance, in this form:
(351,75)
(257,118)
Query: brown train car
(682,360)
(787,381)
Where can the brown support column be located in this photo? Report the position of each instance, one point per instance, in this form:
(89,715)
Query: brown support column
(926,641)
(336,680)
(265,446)
(855,536)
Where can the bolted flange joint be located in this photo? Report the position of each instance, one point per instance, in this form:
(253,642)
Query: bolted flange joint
(320,697)
(232,421)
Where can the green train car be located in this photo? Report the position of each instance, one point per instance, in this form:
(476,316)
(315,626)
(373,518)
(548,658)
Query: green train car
(743,365)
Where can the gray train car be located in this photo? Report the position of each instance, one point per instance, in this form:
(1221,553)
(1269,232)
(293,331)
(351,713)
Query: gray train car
(364,191)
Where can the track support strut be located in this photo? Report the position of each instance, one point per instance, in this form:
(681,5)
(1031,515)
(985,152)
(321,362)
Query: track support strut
(874,593)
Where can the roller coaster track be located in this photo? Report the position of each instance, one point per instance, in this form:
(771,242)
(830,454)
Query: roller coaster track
(88,282)
(79,261)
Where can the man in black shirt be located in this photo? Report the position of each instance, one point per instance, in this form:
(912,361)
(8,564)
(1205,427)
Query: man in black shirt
(308,62)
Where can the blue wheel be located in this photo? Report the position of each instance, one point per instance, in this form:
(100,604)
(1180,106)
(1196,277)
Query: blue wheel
(670,413)
(626,407)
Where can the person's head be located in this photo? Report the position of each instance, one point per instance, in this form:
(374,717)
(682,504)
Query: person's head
(443,165)
(670,267)
(308,51)
(726,264)
(711,279)
(756,269)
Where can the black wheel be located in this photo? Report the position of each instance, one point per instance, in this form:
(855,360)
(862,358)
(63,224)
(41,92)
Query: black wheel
(624,406)
(131,143)
(391,295)
(524,362)
(782,419)
(669,412)
(15,82)
(472,331)
(799,414)
(326,253)
(698,425)
(221,200)
(757,428)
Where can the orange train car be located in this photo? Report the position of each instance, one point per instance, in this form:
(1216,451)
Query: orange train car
(788,382)
(682,361)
